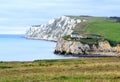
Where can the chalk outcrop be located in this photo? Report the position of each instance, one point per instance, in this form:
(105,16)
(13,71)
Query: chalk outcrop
(55,29)
(101,48)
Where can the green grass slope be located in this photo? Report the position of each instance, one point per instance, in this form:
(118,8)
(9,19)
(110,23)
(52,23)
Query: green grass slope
(70,70)
(106,27)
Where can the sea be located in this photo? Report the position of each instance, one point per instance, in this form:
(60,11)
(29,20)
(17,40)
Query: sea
(14,47)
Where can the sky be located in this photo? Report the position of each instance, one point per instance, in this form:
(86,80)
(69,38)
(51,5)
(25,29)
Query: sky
(16,16)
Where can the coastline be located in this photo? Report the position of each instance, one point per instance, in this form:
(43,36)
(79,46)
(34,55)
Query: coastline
(86,56)
(35,38)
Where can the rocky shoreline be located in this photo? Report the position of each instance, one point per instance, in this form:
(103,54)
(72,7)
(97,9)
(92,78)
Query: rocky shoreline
(102,48)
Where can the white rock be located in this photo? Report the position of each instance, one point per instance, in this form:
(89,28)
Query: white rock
(55,29)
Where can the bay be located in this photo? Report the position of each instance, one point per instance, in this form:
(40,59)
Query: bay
(18,48)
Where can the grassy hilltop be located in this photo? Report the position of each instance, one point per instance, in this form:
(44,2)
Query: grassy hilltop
(107,27)
(69,70)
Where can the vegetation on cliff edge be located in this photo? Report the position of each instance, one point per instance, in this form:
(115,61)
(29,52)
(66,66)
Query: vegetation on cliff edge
(107,27)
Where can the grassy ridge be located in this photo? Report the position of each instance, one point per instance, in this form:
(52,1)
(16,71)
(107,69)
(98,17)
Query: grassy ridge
(108,28)
(70,70)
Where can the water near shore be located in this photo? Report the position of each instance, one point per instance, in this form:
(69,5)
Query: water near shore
(18,48)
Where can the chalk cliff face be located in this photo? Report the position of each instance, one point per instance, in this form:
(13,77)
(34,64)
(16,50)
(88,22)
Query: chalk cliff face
(102,48)
(54,29)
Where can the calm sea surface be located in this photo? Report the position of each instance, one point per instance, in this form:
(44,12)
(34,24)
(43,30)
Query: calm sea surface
(18,48)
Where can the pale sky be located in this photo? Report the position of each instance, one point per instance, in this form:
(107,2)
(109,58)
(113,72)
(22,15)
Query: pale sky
(17,15)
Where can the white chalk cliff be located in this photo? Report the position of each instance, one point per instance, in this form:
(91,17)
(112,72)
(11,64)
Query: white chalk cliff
(54,29)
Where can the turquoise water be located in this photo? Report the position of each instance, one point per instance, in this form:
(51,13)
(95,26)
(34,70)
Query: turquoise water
(18,48)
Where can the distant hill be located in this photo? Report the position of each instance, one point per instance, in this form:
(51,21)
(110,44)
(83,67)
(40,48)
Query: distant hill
(108,27)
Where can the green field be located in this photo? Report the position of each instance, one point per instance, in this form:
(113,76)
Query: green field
(106,27)
(69,70)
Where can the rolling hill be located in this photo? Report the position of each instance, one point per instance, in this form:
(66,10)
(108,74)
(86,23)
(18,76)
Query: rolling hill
(108,27)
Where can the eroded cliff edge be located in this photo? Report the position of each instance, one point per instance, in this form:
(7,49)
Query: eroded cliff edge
(54,29)
(76,48)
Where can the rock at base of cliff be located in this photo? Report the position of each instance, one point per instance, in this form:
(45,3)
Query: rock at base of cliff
(77,48)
